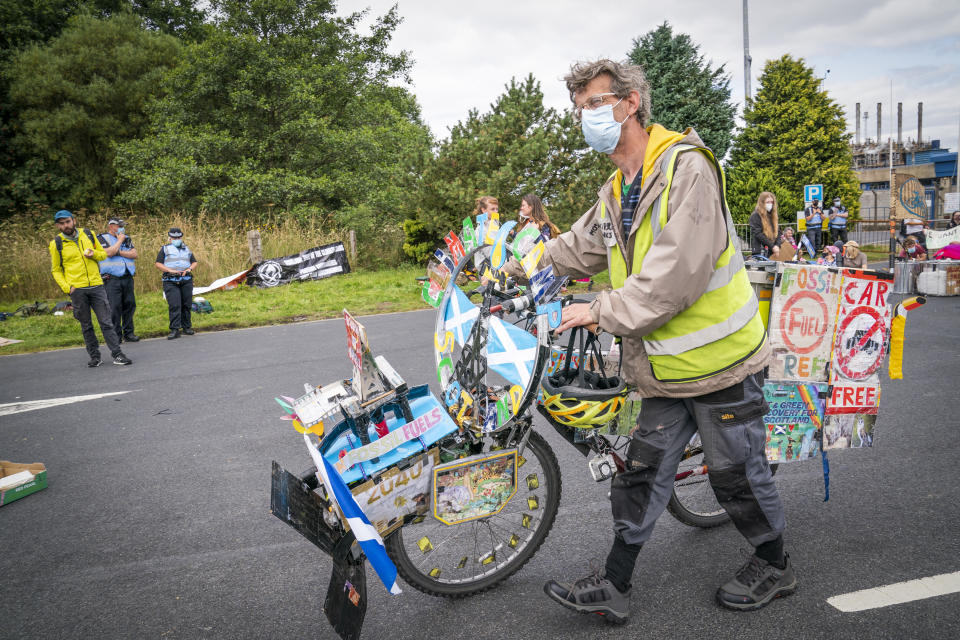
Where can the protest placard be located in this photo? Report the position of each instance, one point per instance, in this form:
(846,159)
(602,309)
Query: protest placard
(804,310)
(794,420)
(940,239)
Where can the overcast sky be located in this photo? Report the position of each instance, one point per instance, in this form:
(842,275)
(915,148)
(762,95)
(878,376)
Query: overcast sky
(465,53)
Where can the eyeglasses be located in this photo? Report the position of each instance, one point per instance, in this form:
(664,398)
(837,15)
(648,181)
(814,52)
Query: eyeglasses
(591,103)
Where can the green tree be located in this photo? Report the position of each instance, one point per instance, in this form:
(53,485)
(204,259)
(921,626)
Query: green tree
(86,91)
(283,105)
(518,147)
(685,89)
(25,178)
(181,18)
(794,134)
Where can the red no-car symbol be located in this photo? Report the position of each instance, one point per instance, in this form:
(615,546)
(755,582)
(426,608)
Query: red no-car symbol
(861,342)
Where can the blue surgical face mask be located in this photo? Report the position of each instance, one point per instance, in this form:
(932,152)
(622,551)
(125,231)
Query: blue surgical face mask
(912,250)
(600,128)
(177,243)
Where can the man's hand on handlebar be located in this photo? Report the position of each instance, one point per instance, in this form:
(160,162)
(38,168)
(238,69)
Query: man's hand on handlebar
(577,315)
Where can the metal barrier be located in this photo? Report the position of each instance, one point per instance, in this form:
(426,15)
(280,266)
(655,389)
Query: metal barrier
(869,232)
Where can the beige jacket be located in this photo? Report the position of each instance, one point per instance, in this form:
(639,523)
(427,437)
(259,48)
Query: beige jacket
(676,269)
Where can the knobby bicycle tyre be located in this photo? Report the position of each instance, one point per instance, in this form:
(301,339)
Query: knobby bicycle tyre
(455,561)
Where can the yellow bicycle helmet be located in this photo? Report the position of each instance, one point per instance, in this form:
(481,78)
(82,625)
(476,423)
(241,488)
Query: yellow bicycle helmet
(581,398)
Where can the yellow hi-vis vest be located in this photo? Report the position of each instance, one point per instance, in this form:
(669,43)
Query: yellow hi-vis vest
(723,328)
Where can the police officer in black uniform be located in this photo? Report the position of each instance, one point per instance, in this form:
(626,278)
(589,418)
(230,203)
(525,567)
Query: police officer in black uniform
(117,272)
(176,261)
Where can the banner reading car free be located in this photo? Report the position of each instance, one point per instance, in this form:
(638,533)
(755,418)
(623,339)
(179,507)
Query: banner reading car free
(312,264)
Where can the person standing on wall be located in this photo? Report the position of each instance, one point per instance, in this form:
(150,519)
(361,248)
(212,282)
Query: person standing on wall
(814,216)
(117,272)
(177,263)
(693,341)
(838,222)
(73,261)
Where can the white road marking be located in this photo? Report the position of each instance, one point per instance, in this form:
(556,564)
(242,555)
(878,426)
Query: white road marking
(20,407)
(898,593)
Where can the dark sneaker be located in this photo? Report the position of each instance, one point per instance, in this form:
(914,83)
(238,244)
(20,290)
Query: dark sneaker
(756,584)
(188,331)
(94,362)
(173,335)
(131,338)
(122,359)
(593,594)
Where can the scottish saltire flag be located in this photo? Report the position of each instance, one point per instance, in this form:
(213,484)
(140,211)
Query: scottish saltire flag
(459,315)
(511,351)
(370,541)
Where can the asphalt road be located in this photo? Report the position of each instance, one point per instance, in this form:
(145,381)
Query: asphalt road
(156,522)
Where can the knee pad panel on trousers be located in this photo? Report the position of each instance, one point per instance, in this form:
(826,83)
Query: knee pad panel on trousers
(631,490)
(630,493)
(735,494)
(642,454)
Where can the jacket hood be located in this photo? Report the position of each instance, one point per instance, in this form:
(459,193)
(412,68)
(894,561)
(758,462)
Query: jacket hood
(661,139)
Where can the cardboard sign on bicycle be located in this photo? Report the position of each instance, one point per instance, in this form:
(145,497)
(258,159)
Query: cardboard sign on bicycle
(794,420)
(829,329)
(802,319)
(859,348)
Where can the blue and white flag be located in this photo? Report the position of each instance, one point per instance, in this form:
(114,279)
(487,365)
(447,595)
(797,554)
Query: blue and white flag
(370,541)
(511,351)
(459,315)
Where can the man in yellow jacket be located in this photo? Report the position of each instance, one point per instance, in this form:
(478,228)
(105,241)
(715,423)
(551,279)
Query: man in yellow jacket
(74,254)
(693,342)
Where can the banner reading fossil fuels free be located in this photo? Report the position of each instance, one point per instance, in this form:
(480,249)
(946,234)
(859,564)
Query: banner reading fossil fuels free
(803,316)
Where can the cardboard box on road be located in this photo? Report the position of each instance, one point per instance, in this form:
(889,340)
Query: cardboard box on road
(39,480)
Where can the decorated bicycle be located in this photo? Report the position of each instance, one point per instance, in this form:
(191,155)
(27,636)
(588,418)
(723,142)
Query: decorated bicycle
(455,492)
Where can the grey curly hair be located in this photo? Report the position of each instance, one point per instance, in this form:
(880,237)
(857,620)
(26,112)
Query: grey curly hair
(624,78)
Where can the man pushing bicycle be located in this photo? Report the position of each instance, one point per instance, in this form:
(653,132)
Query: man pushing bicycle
(694,344)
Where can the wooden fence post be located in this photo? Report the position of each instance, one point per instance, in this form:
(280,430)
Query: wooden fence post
(353,246)
(255,246)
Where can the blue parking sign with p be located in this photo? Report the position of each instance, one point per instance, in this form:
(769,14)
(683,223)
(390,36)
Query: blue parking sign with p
(813,192)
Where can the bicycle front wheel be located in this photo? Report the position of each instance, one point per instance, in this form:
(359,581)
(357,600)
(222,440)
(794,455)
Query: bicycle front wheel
(459,560)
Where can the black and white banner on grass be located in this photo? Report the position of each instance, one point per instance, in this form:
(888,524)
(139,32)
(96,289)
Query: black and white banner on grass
(312,264)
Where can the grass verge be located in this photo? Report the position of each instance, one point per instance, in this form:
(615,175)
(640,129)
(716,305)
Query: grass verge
(360,292)
(876,252)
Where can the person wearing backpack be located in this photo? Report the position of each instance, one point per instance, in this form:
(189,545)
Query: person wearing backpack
(74,254)
(117,272)
(177,263)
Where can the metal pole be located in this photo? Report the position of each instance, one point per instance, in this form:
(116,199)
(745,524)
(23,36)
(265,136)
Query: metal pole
(893,235)
(746,55)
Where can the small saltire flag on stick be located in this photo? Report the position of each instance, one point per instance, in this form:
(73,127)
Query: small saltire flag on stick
(370,541)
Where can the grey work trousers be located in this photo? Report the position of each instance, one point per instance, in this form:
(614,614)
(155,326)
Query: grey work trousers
(731,427)
(95,298)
